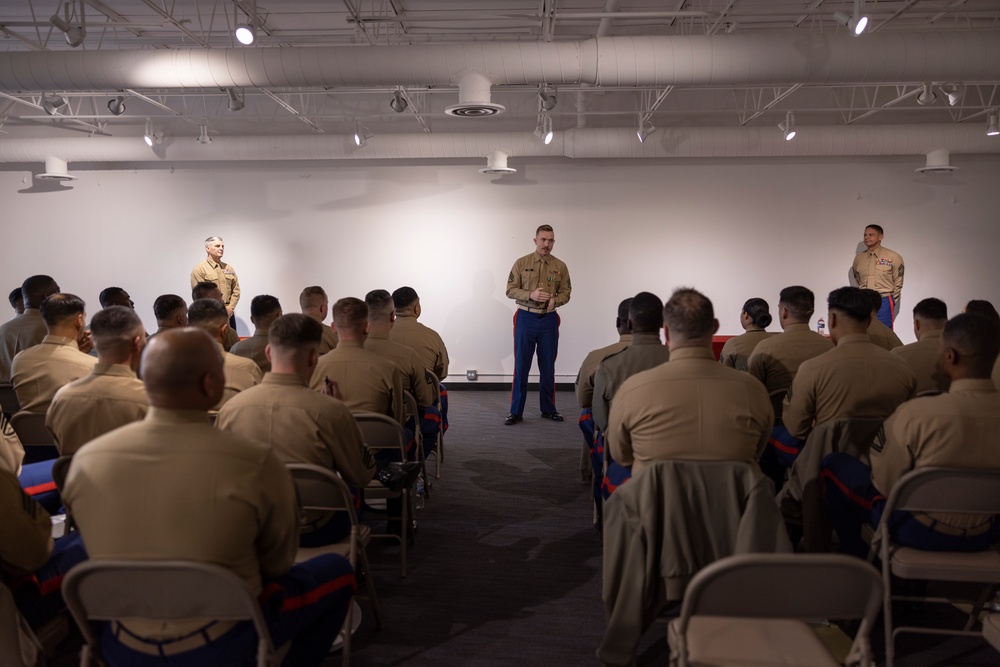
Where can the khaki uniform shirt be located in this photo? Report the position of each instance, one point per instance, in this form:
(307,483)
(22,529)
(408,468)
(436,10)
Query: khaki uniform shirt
(854,379)
(646,351)
(534,271)
(585,377)
(737,350)
(110,397)
(39,371)
(302,425)
(232,338)
(409,365)
(241,374)
(960,429)
(253,349)
(20,333)
(174,487)
(426,342)
(776,359)
(922,357)
(25,532)
(368,382)
(996,373)
(691,408)
(329,340)
(883,336)
(223,275)
(881,270)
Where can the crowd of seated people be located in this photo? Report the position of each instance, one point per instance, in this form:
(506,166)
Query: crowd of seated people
(136,415)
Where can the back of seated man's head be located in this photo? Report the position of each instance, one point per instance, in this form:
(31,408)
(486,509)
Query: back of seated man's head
(114,329)
(380,306)
(800,303)
(62,309)
(166,308)
(622,320)
(975,342)
(874,299)
(350,316)
(264,309)
(313,299)
(209,315)
(981,307)
(294,333)
(689,317)
(206,290)
(646,313)
(36,289)
(183,369)
(115,296)
(931,311)
(405,298)
(852,303)
(16,299)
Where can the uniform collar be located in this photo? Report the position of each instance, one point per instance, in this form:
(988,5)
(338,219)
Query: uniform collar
(117,370)
(350,343)
(258,333)
(378,336)
(539,258)
(797,326)
(691,353)
(972,385)
(624,338)
(61,340)
(646,339)
(212,263)
(32,312)
(875,251)
(850,339)
(285,379)
(174,416)
(932,335)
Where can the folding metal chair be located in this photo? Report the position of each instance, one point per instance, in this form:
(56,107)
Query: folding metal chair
(39,445)
(413,412)
(9,404)
(439,445)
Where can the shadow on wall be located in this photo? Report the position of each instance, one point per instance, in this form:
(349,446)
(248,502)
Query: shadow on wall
(404,185)
(36,186)
(482,341)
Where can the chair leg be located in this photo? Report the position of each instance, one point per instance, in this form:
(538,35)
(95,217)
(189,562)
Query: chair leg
(370,585)
(887,609)
(345,648)
(404,530)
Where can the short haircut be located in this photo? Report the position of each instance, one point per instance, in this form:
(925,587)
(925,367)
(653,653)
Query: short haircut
(646,312)
(931,309)
(350,314)
(623,309)
(115,326)
(380,305)
(166,305)
(312,296)
(981,307)
(874,299)
(203,289)
(109,294)
(689,314)
(213,238)
(758,311)
(263,305)
(36,288)
(976,337)
(851,302)
(877,228)
(207,314)
(295,330)
(543,228)
(404,297)
(60,307)
(799,300)
(16,297)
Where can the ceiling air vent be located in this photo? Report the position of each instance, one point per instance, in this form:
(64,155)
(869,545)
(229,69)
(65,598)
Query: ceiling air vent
(55,170)
(474,98)
(496,163)
(937,163)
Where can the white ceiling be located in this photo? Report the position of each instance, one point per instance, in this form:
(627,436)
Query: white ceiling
(865,96)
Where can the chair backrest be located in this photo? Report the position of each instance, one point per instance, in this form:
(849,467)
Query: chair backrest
(804,586)
(104,590)
(321,489)
(60,469)
(434,382)
(946,490)
(381,432)
(8,399)
(31,430)
(410,405)
(777,402)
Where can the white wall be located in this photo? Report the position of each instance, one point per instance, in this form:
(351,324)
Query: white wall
(733,229)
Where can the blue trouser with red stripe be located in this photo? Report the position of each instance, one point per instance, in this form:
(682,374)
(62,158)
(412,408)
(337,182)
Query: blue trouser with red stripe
(780,453)
(533,330)
(887,311)
(852,501)
(37,595)
(443,404)
(36,480)
(431,423)
(306,605)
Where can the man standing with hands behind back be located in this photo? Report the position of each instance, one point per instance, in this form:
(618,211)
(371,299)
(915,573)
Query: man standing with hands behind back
(214,270)
(880,269)
(539,283)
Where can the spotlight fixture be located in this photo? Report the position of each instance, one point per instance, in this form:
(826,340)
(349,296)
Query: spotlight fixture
(361,135)
(246,34)
(547,98)
(53,104)
(152,135)
(75,32)
(116,105)
(398,103)
(544,130)
(952,92)
(645,129)
(991,124)
(236,99)
(787,126)
(203,137)
(856,23)
(927,96)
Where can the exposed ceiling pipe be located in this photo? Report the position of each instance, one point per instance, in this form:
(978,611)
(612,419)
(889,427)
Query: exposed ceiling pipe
(588,143)
(603,30)
(725,60)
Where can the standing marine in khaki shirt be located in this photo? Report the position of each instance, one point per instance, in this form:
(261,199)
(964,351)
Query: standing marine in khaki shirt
(929,318)
(880,269)
(214,270)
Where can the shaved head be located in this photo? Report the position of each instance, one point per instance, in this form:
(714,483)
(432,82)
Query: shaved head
(182,369)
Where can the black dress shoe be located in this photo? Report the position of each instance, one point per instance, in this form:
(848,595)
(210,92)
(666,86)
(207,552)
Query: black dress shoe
(554,416)
(395,476)
(512,419)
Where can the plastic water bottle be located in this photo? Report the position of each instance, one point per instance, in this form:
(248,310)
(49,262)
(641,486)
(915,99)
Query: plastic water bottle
(418,502)
(821,326)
